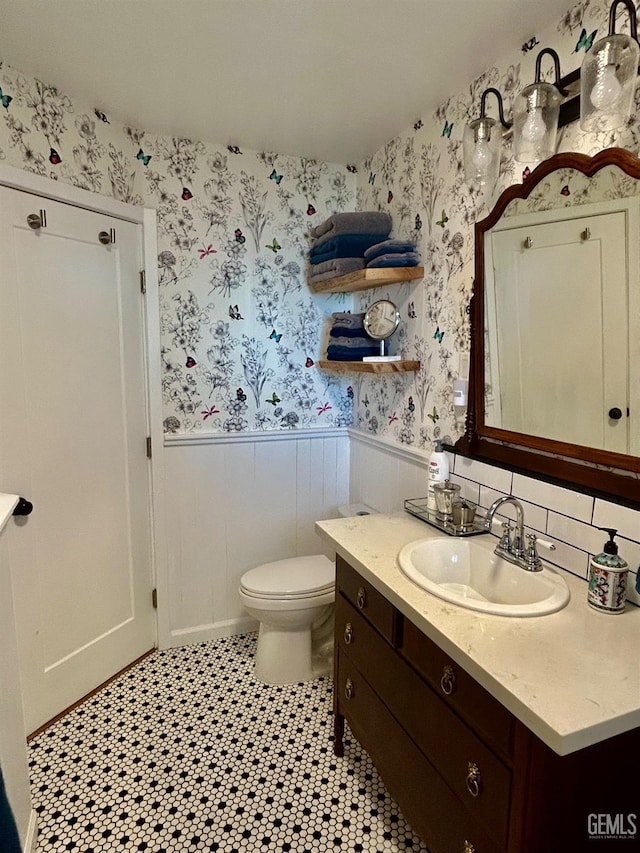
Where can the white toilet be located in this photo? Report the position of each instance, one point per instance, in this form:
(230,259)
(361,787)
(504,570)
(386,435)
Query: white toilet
(293,600)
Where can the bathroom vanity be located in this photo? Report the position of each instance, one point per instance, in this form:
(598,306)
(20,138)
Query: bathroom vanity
(492,733)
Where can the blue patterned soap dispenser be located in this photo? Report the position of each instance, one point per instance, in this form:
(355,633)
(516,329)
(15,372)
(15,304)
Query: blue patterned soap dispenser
(608,578)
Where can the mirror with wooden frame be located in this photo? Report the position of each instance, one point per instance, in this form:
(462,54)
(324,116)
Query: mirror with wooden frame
(554,387)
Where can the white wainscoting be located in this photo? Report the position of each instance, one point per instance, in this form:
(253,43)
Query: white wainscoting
(233,502)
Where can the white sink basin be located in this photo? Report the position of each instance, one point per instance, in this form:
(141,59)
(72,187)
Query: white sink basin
(467,572)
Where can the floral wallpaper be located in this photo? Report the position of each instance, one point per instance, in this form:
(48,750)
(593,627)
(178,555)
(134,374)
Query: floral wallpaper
(418,178)
(241,332)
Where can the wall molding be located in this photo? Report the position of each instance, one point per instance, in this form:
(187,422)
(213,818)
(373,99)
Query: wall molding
(253,436)
(394,448)
(31,840)
(214,631)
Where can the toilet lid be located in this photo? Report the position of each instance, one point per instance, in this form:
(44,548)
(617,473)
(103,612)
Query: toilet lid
(296,577)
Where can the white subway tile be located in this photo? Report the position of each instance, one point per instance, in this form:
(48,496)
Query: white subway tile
(625,520)
(469,490)
(575,533)
(568,502)
(568,558)
(534,516)
(486,475)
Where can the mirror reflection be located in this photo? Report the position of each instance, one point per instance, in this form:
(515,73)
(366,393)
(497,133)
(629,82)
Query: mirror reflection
(562,312)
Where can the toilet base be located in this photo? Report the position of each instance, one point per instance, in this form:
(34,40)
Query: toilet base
(293,655)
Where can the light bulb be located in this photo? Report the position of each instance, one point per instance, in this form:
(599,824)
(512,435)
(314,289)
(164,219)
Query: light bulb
(534,128)
(607,88)
(482,156)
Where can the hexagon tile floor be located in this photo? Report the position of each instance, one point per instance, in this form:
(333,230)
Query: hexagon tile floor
(188,752)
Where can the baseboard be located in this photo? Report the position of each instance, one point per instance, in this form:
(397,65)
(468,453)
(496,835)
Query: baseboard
(31,839)
(214,631)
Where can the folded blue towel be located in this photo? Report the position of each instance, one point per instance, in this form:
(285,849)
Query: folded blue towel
(343,246)
(356,339)
(388,246)
(408,259)
(345,332)
(339,353)
(356,222)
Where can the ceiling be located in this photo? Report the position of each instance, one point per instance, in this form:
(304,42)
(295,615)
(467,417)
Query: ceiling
(328,79)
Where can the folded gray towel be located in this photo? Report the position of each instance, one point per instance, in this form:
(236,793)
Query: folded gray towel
(387,247)
(395,259)
(337,266)
(352,342)
(357,222)
(347,319)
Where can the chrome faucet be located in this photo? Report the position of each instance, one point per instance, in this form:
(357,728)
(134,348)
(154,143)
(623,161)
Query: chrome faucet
(512,548)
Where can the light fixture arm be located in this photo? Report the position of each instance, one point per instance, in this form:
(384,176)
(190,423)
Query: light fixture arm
(556,64)
(483,104)
(631,9)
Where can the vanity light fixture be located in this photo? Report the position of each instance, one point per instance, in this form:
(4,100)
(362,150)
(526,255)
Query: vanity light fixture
(609,75)
(482,144)
(535,115)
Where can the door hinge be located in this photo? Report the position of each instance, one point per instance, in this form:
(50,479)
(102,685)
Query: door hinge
(148,447)
(154,598)
(143,282)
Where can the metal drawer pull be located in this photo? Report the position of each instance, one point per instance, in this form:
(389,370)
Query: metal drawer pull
(468,847)
(448,680)
(474,779)
(361,598)
(348,633)
(348,689)
(37,221)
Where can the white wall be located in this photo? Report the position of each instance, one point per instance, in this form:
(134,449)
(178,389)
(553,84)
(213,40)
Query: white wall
(235,502)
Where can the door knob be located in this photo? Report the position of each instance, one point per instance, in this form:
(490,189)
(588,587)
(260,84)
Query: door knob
(615,414)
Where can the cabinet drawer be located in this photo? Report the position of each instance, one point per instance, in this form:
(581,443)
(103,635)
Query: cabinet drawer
(458,688)
(478,778)
(426,802)
(373,606)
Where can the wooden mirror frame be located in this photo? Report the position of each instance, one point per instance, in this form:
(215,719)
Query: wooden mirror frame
(587,469)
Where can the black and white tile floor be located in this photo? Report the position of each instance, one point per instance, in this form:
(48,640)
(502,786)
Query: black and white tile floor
(188,752)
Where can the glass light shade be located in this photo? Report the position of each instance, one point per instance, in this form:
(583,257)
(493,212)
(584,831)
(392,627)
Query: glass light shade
(535,122)
(482,144)
(607,83)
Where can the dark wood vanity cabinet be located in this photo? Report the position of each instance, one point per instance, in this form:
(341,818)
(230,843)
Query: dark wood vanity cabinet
(467,775)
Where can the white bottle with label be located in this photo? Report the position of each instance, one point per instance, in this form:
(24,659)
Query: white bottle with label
(438,473)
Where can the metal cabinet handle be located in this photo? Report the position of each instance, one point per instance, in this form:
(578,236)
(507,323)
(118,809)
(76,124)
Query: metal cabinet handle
(474,780)
(348,633)
(448,680)
(348,689)
(361,598)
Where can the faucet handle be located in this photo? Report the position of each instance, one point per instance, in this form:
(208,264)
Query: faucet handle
(505,543)
(534,563)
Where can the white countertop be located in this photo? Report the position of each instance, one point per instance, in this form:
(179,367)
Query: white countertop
(7,503)
(572,677)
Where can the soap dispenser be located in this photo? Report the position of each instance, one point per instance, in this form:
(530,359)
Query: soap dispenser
(608,578)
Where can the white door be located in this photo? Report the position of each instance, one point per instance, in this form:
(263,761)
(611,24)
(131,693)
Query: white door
(73,427)
(561,348)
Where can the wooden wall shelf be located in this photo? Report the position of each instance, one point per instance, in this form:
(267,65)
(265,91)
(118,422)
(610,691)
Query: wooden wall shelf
(367,278)
(369,366)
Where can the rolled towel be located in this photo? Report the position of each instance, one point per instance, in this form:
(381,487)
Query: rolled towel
(338,266)
(343,246)
(357,222)
(407,259)
(387,247)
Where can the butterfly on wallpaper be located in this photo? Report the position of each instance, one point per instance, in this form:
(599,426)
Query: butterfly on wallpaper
(309,362)
(186,194)
(210,412)
(5,100)
(54,157)
(411,405)
(351,169)
(206,250)
(240,395)
(389,197)
(565,190)
(392,418)
(365,402)
(324,408)
(275,246)
(526,172)
(275,336)
(418,124)
(233,149)
(448,127)
(433,416)
(275,177)
(585,40)
(190,362)
(274,399)
(240,238)
(310,210)
(411,311)
(529,45)
(372,178)
(144,157)
(438,335)
(442,222)
(350,392)
(100,115)
(418,222)
(234,313)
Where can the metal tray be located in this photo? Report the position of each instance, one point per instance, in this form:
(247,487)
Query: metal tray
(419,508)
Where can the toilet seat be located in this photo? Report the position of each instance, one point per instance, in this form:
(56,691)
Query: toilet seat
(292,579)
